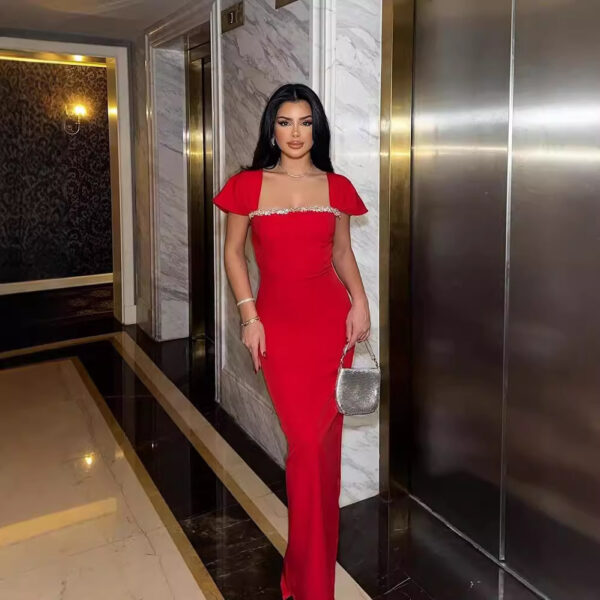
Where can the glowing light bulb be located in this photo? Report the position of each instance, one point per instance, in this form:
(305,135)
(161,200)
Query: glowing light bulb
(79,110)
(89,459)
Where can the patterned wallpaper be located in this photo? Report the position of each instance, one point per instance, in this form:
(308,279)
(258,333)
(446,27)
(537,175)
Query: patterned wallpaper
(55,205)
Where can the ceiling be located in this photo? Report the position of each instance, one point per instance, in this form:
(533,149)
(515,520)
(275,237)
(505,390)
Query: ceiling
(113,19)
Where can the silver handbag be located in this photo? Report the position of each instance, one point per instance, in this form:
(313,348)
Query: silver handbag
(357,390)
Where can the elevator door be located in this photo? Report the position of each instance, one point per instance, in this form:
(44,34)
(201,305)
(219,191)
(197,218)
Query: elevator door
(505,288)
(553,341)
(461,113)
(200,186)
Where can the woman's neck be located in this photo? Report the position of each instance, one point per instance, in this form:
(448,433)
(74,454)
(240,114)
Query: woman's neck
(296,165)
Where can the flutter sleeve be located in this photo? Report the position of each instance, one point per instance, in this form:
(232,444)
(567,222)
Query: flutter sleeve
(232,197)
(348,199)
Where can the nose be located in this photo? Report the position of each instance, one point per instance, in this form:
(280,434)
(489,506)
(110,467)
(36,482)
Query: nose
(295,131)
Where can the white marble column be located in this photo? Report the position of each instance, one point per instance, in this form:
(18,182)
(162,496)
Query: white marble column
(171,202)
(356,127)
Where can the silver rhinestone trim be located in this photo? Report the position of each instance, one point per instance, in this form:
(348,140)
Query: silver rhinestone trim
(285,211)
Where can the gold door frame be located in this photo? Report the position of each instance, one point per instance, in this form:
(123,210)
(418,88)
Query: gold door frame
(200,179)
(394,241)
(115,277)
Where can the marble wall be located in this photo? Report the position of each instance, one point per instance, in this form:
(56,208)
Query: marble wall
(162,245)
(142,208)
(275,47)
(272,48)
(356,112)
(171,240)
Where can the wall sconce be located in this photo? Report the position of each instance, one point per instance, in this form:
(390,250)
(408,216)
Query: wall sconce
(73,116)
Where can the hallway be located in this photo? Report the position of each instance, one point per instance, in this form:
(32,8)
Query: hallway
(143,446)
(113,476)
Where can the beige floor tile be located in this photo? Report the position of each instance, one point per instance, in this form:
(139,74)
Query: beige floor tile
(77,521)
(119,571)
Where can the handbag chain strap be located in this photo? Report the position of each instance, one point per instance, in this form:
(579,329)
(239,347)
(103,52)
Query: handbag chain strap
(366,342)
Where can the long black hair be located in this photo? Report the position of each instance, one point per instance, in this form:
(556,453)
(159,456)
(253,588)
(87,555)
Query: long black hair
(266,155)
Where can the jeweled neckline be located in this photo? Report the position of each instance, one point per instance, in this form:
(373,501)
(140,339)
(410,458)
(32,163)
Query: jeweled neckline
(300,209)
(297,209)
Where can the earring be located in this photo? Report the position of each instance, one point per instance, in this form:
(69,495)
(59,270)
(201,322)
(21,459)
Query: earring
(273,141)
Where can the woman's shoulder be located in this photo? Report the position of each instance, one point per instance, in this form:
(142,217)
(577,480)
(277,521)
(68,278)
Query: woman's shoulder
(339,178)
(345,196)
(238,194)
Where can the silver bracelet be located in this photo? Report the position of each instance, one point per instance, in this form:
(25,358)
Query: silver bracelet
(245,300)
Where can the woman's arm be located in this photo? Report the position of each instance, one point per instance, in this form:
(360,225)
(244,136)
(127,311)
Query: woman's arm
(358,322)
(237,272)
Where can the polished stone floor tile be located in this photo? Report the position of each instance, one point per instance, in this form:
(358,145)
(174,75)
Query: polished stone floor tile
(236,553)
(407,591)
(112,377)
(514,590)
(70,527)
(394,550)
(363,548)
(190,488)
(35,318)
(195,388)
(121,570)
(187,483)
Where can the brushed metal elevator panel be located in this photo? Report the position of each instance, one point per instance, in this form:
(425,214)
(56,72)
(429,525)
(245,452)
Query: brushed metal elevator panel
(200,191)
(553,411)
(460,128)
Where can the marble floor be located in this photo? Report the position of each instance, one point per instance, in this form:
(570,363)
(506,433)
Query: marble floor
(121,467)
(75,520)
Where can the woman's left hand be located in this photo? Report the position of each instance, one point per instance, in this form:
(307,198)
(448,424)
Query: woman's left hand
(358,322)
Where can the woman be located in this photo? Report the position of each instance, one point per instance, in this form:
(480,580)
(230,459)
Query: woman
(311,301)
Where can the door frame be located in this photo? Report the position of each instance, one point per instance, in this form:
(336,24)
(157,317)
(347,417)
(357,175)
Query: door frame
(117,72)
(394,244)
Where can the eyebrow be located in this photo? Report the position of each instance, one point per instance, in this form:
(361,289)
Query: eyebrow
(290,119)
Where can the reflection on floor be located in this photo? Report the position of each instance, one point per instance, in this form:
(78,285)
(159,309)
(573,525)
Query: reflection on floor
(38,317)
(226,499)
(75,521)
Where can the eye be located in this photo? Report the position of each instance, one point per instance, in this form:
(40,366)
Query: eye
(283,122)
(307,123)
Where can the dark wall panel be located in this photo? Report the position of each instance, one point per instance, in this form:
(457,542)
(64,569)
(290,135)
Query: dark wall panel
(553,417)
(461,110)
(55,204)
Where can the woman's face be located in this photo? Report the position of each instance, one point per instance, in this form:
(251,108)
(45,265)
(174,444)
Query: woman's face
(293,128)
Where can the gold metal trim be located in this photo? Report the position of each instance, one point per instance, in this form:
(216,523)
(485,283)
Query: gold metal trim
(199,157)
(232,17)
(52,57)
(394,240)
(115,185)
(20,287)
(198,570)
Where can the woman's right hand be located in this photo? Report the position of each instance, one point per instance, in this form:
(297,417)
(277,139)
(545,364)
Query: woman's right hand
(253,337)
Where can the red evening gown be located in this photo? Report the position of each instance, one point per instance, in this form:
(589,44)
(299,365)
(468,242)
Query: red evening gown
(303,306)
